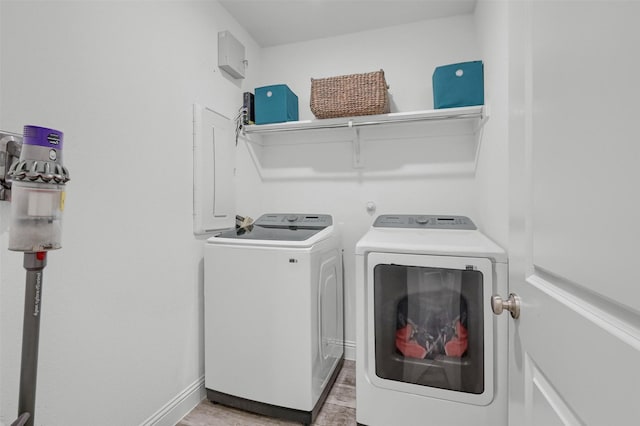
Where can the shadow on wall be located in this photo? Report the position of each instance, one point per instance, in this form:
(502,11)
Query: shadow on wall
(375,152)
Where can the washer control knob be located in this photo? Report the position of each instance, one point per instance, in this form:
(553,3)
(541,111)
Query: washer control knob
(292,218)
(422,220)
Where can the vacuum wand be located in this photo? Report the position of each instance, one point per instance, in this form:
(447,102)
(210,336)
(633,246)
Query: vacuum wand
(34,263)
(38,186)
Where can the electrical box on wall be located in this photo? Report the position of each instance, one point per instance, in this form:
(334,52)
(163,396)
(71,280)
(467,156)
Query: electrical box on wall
(231,54)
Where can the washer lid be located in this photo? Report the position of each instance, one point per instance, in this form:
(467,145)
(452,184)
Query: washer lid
(281,229)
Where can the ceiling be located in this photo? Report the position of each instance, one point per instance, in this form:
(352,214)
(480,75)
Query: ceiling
(274,22)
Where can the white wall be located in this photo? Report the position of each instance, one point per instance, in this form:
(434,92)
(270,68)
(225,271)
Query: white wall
(122,318)
(418,175)
(492,174)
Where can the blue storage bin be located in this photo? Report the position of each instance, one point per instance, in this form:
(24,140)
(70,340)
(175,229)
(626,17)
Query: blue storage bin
(275,104)
(458,85)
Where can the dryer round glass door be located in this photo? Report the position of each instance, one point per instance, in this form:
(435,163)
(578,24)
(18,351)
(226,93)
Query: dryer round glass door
(431,334)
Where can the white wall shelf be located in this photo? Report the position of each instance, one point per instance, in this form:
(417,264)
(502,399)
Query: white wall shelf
(476,113)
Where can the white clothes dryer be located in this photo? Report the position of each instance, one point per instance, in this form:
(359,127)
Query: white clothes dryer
(274,315)
(429,350)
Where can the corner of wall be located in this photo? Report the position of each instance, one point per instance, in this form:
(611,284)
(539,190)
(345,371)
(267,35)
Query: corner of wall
(492,174)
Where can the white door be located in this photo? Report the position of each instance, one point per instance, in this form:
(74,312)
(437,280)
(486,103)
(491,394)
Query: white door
(575,212)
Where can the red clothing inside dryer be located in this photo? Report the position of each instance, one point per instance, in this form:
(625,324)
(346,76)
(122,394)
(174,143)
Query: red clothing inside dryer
(408,346)
(458,344)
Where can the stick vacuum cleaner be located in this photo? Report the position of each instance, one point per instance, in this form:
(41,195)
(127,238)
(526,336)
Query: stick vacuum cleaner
(38,193)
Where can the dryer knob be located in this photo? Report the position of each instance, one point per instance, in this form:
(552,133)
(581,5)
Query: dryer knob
(292,218)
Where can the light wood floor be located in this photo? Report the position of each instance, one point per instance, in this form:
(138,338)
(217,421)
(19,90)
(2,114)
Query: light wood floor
(339,409)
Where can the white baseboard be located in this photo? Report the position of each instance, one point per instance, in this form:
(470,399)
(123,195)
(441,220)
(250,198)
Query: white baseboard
(179,406)
(349,350)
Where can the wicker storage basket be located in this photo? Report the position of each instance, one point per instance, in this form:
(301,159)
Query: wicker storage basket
(349,95)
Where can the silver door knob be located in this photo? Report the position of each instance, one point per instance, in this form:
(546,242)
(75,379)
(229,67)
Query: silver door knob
(512,304)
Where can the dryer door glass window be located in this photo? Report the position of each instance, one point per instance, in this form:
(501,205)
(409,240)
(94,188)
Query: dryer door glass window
(429,327)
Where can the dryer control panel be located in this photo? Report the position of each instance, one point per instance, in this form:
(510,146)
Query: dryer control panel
(286,220)
(424,221)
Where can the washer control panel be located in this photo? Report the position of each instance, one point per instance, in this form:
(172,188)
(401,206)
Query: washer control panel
(424,221)
(294,220)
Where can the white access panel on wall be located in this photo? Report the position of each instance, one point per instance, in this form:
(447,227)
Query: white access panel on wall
(213,171)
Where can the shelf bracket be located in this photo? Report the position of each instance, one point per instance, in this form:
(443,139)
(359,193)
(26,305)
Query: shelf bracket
(357,155)
(484,117)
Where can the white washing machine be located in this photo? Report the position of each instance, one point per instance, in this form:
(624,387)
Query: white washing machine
(429,349)
(274,315)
